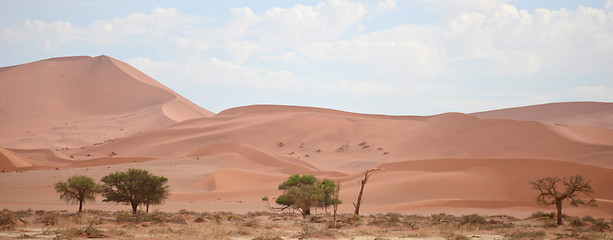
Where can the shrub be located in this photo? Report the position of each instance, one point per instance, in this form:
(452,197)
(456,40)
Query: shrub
(576,222)
(600,225)
(589,219)
(453,236)
(49,218)
(473,220)
(123,217)
(541,215)
(6,217)
(526,235)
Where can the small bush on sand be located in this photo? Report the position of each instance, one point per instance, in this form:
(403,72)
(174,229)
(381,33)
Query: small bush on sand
(588,218)
(49,218)
(123,217)
(453,236)
(541,215)
(576,222)
(267,238)
(6,218)
(526,235)
(600,226)
(473,221)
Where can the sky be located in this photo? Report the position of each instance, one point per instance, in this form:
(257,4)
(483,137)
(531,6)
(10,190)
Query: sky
(396,57)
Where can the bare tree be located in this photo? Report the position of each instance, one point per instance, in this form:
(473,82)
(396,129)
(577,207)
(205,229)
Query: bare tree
(367,174)
(551,194)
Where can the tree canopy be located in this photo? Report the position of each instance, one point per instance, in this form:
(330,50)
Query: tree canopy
(134,187)
(303,193)
(550,193)
(77,189)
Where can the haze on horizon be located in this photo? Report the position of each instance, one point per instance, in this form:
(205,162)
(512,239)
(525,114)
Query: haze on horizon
(392,57)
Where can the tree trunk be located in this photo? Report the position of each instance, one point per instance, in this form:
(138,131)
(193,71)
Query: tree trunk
(367,174)
(335,202)
(559,211)
(80,206)
(147,211)
(134,208)
(359,202)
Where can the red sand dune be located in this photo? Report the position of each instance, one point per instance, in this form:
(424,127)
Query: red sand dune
(76,101)
(450,162)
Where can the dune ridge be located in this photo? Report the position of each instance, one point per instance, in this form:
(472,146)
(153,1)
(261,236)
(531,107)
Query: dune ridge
(594,114)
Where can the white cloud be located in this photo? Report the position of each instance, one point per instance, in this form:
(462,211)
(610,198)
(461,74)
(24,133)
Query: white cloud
(478,42)
(592,93)
(159,23)
(385,6)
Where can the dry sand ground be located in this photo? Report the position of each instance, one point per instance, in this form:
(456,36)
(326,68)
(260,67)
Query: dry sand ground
(266,225)
(94,116)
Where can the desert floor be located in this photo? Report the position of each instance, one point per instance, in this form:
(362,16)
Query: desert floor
(186,224)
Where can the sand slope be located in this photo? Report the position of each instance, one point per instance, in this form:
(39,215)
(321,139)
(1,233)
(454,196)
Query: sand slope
(75,101)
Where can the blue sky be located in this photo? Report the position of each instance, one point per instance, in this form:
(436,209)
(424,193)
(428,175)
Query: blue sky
(399,57)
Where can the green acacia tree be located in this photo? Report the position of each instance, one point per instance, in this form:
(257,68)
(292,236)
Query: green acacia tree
(303,193)
(134,187)
(78,189)
(550,193)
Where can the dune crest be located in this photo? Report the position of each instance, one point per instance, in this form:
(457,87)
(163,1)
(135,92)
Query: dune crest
(593,114)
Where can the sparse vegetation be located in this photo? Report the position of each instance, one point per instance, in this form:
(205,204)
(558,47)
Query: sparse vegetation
(266,225)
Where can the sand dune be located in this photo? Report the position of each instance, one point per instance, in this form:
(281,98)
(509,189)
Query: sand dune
(12,161)
(93,116)
(251,158)
(75,101)
(594,114)
(332,140)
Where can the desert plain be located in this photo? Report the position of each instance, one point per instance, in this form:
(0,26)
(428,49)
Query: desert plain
(93,116)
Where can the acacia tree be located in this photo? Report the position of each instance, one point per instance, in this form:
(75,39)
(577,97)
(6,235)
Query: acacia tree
(302,193)
(550,193)
(134,187)
(156,190)
(77,189)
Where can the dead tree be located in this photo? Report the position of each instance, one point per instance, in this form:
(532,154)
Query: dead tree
(367,174)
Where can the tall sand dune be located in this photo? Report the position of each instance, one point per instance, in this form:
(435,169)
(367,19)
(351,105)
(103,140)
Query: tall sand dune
(75,101)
